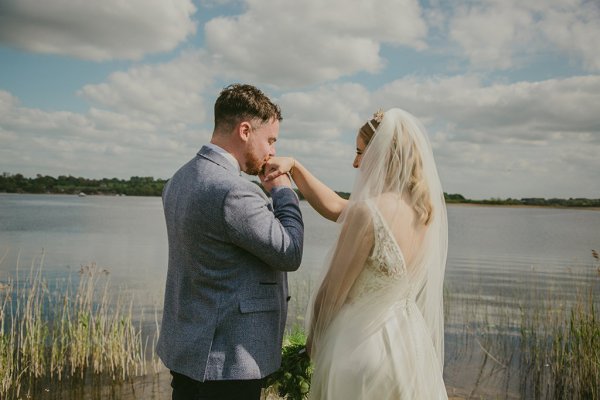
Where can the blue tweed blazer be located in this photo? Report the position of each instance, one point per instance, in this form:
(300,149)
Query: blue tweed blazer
(226,294)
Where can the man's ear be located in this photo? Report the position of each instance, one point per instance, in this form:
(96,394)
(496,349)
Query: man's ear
(243,130)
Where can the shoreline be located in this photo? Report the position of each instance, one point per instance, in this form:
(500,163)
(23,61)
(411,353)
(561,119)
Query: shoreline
(591,208)
(459,204)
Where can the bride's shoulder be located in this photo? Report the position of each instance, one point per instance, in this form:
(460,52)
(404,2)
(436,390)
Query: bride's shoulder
(370,207)
(360,210)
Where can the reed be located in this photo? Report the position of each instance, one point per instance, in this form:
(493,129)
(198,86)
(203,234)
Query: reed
(561,352)
(68,331)
(543,343)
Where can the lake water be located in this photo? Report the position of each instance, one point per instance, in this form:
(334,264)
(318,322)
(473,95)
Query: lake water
(127,236)
(494,252)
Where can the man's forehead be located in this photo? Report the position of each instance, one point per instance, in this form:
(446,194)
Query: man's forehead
(272,127)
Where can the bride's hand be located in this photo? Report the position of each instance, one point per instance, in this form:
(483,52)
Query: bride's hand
(277,166)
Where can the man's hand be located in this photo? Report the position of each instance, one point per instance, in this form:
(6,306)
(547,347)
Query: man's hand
(281,180)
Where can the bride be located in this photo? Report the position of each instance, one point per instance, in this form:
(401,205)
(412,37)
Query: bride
(376,322)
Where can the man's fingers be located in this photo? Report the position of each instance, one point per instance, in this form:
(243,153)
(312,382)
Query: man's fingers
(273,175)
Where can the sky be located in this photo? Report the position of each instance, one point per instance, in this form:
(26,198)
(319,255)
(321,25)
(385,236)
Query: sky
(508,90)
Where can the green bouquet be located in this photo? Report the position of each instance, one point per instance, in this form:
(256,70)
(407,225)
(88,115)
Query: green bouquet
(292,379)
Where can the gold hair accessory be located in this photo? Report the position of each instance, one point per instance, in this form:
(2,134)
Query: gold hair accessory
(378,116)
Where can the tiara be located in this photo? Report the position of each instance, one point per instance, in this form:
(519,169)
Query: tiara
(377,116)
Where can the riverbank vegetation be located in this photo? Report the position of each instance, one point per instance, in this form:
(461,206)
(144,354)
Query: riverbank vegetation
(70,331)
(529,201)
(540,344)
(149,186)
(134,186)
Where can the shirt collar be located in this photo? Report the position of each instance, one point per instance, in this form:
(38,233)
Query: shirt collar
(225,154)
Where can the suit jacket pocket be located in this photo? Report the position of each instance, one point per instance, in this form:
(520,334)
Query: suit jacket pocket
(258,305)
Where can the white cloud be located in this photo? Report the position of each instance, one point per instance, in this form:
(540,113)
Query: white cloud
(305,42)
(324,113)
(491,33)
(518,111)
(96,30)
(501,34)
(574,28)
(521,139)
(170,93)
(218,3)
(37,141)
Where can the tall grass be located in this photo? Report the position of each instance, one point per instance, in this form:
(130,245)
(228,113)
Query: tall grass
(560,352)
(51,333)
(539,344)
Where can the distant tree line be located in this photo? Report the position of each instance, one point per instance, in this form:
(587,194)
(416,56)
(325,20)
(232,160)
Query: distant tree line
(148,186)
(134,186)
(528,201)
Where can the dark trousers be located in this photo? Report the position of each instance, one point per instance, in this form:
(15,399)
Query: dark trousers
(185,388)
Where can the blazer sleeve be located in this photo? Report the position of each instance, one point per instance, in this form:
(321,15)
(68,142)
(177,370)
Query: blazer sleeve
(276,237)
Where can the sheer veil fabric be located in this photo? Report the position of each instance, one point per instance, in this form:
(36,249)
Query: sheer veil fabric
(376,322)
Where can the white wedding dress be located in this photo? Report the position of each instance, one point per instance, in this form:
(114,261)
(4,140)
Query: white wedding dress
(370,351)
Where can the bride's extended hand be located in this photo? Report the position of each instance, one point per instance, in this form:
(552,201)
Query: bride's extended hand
(277,166)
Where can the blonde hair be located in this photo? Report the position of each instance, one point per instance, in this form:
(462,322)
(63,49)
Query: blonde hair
(402,160)
(367,131)
(419,192)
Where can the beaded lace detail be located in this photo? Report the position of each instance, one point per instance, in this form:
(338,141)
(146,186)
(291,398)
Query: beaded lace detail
(385,266)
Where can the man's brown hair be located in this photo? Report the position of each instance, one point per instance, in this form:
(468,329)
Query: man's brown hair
(239,102)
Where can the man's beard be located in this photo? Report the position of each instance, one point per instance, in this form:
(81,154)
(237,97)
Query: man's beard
(253,165)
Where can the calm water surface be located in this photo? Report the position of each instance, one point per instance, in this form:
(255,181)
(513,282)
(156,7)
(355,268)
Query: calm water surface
(127,236)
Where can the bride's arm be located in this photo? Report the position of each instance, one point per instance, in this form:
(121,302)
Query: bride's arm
(351,252)
(324,200)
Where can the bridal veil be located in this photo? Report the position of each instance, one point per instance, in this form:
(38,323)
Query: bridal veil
(399,176)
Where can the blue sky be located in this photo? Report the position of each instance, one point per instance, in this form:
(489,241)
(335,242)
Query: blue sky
(509,91)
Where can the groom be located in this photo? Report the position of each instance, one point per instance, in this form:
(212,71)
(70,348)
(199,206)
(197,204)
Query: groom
(229,249)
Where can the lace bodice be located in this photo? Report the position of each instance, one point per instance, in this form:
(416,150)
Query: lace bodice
(385,265)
